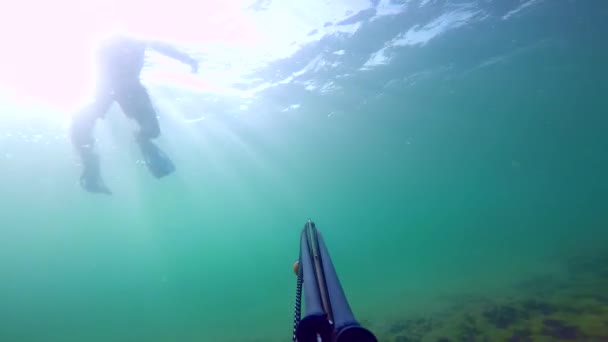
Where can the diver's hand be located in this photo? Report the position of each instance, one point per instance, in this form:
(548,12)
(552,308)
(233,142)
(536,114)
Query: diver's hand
(92,182)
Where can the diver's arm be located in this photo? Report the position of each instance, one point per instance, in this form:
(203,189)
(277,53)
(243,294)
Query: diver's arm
(174,53)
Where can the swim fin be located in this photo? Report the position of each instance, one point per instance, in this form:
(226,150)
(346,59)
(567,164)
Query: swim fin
(91,180)
(157,161)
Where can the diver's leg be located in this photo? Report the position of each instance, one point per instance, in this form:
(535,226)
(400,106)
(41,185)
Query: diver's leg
(81,134)
(136,104)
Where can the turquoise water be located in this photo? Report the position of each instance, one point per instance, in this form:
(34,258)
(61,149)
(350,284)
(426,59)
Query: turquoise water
(447,150)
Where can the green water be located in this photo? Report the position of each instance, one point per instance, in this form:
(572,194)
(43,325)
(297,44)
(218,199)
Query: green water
(463,167)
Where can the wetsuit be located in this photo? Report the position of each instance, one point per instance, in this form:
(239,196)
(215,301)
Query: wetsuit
(119,63)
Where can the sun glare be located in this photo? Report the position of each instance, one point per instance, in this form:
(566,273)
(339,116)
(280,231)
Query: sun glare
(48,49)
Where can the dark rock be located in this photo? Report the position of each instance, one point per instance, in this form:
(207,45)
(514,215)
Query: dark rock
(568,333)
(565,333)
(557,329)
(523,335)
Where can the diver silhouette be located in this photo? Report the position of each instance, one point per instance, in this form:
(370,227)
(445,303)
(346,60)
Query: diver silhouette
(120,60)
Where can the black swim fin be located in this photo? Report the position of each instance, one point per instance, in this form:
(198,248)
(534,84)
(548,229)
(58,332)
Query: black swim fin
(91,180)
(157,161)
